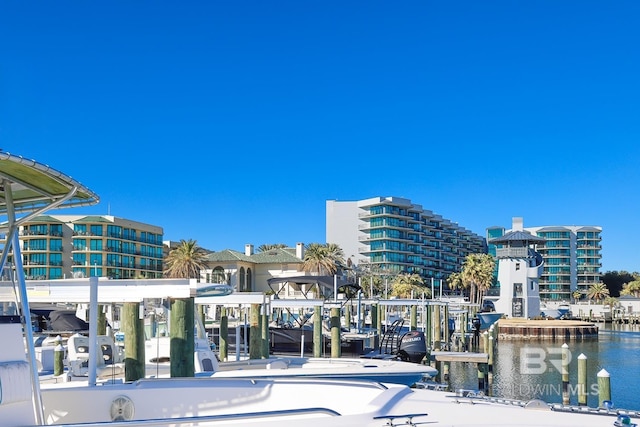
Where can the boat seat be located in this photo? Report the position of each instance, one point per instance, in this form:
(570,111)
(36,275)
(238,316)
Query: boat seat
(16,400)
(78,355)
(15,382)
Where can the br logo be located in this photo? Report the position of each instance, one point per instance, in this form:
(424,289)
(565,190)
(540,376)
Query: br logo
(535,361)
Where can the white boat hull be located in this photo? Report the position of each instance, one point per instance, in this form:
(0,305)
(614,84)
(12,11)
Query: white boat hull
(288,402)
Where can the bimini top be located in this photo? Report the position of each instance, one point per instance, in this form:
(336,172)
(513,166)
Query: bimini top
(36,187)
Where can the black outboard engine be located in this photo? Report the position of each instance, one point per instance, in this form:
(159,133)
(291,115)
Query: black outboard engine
(413,347)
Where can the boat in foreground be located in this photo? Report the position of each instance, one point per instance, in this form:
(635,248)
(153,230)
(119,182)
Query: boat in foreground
(33,188)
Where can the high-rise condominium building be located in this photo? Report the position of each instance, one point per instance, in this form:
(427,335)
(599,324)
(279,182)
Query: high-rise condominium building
(71,246)
(572,258)
(395,235)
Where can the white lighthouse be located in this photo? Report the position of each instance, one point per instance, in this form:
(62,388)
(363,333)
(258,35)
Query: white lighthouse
(519,268)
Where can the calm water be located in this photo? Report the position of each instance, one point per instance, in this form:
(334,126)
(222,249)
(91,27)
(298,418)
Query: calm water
(517,366)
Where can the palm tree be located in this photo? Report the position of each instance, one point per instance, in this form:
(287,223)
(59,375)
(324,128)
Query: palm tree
(371,278)
(598,292)
(323,259)
(454,281)
(267,248)
(336,253)
(477,275)
(185,261)
(405,285)
(631,288)
(611,302)
(577,295)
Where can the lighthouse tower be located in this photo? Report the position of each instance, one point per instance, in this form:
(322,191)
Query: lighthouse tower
(519,268)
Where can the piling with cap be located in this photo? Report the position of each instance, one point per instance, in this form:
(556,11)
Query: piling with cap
(604,387)
(565,374)
(582,380)
(58,357)
(335,333)
(317,331)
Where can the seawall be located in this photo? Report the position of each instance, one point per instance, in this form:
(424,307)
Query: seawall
(560,330)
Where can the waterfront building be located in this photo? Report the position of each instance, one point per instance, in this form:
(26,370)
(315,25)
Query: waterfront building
(519,269)
(76,246)
(250,271)
(395,235)
(572,258)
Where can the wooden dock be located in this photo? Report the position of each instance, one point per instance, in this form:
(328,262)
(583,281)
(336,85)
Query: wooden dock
(561,330)
(459,356)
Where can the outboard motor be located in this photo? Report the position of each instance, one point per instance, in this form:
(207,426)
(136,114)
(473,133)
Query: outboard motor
(413,347)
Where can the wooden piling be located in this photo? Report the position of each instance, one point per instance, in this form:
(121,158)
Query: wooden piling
(463,331)
(58,357)
(317,331)
(102,321)
(565,374)
(414,318)
(347,316)
(255,332)
(436,327)
(335,333)
(604,388)
(490,348)
(264,326)
(582,380)
(481,377)
(445,326)
(223,348)
(427,326)
(181,347)
(133,328)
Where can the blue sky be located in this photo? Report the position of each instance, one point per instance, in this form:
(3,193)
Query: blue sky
(233,122)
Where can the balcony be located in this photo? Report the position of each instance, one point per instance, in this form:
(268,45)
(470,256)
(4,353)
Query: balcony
(512,252)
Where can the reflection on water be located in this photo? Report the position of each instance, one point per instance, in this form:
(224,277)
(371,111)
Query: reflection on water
(532,369)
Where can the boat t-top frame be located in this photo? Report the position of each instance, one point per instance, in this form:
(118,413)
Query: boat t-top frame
(30,188)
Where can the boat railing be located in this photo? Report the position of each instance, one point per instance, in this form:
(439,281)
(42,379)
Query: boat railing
(191,420)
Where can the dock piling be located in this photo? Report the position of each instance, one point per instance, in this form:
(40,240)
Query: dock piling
(582,380)
(565,374)
(224,334)
(604,388)
(58,357)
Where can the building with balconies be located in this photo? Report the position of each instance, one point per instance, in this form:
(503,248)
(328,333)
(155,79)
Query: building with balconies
(572,258)
(394,235)
(73,246)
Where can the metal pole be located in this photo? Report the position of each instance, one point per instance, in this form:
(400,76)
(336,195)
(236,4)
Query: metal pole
(93,330)
(24,302)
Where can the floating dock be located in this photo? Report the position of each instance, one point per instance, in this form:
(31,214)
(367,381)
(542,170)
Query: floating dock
(561,330)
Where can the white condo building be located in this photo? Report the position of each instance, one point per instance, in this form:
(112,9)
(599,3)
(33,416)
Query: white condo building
(396,235)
